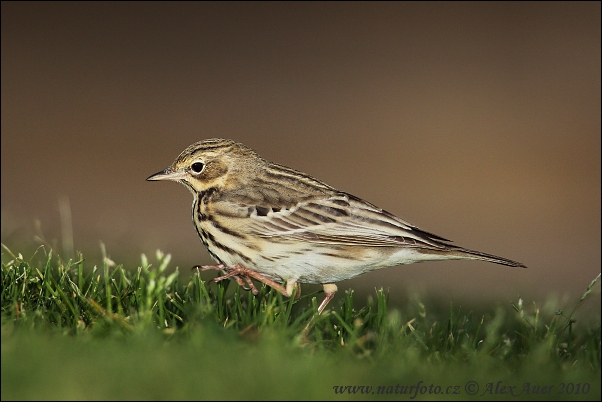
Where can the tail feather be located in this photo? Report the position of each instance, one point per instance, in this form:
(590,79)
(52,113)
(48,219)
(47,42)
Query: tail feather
(477,255)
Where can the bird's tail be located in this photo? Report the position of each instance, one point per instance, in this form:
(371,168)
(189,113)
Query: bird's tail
(477,255)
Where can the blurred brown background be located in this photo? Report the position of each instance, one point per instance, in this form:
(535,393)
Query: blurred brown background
(477,122)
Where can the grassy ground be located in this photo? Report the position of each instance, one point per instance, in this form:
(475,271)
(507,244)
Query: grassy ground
(76,332)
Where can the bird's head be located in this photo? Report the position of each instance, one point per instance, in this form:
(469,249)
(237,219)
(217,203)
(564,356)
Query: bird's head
(214,163)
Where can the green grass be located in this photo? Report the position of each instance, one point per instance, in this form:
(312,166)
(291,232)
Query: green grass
(70,331)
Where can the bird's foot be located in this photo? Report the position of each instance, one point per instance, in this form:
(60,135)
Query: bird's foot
(242,274)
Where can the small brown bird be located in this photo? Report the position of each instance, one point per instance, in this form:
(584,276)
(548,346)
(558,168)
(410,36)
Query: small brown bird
(260,220)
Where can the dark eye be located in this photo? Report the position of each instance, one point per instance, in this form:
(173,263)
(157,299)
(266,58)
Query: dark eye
(197,167)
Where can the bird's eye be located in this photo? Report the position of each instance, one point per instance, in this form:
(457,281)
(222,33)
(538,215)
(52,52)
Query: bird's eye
(197,167)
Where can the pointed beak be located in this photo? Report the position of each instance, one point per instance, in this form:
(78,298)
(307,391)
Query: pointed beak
(167,174)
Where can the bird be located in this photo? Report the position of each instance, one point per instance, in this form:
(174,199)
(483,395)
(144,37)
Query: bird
(266,222)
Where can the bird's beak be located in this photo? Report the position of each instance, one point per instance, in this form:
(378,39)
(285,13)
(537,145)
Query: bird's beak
(167,174)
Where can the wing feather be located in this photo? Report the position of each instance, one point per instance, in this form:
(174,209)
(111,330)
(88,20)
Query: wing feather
(340,219)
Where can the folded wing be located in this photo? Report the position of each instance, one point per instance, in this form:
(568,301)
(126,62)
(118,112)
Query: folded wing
(340,219)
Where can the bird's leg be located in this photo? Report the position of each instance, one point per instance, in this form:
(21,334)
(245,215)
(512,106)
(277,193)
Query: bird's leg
(329,290)
(243,272)
(238,272)
(237,276)
(251,285)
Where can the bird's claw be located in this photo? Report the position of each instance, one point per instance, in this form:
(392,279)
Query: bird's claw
(238,273)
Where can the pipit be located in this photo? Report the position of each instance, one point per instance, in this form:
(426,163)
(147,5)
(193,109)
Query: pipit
(264,221)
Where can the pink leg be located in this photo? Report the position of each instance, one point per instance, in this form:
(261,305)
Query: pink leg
(251,285)
(239,272)
(238,278)
(329,290)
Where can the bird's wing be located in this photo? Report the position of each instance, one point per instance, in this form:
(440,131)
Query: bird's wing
(338,219)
